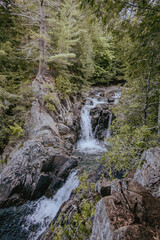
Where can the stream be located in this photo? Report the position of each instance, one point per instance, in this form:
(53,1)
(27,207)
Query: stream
(31,219)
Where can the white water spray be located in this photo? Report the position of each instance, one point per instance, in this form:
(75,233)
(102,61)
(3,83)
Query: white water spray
(46,209)
(88,143)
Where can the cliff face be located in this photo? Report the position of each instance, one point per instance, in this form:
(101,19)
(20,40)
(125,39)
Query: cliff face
(41,161)
(128,210)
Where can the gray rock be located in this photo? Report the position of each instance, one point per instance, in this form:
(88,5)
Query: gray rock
(24,175)
(54,185)
(66,168)
(102,229)
(32,165)
(63,129)
(103,187)
(41,120)
(149,175)
(110,100)
(71,138)
(69,120)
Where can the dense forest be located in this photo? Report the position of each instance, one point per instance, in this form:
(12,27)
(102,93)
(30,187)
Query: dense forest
(80,44)
(55,38)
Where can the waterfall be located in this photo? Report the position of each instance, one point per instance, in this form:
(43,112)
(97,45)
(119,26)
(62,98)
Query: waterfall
(30,220)
(87,134)
(117,95)
(88,143)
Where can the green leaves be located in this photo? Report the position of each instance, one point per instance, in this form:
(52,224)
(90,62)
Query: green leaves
(16,130)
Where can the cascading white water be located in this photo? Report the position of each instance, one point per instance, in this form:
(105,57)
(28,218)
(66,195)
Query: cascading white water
(47,209)
(30,220)
(117,95)
(88,143)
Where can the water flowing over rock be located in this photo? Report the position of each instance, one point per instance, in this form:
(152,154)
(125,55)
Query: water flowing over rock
(31,219)
(30,172)
(96,118)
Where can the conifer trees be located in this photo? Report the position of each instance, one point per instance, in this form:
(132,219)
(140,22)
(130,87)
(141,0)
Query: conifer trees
(135,27)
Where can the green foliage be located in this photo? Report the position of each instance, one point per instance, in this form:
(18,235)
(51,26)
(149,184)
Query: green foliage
(15,92)
(78,224)
(64,85)
(130,137)
(16,130)
(127,144)
(50,99)
(12,110)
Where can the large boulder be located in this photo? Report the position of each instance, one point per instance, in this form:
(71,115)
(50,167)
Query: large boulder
(63,129)
(100,120)
(129,213)
(149,175)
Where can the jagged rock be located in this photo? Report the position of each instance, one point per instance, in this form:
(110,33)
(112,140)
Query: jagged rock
(149,175)
(24,175)
(41,185)
(129,213)
(40,120)
(71,138)
(69,120)
(66,167)
(63,129)
(33,163)
(103,187)
(54,185)
(111,100)
(100,120)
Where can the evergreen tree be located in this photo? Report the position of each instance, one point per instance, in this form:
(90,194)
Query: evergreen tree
(134,25)
(14,72)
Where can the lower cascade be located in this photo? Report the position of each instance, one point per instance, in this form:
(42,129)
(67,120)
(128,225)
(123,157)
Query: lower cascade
(30,220)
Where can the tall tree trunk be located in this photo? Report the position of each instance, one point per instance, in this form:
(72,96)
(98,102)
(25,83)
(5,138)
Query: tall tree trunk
(42,42)
(147,90)
(159,115)
(146,97)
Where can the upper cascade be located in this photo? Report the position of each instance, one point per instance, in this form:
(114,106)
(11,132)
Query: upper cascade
(89,141)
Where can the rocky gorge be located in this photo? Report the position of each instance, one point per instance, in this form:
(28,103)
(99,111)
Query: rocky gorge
(53,147)
(40,162)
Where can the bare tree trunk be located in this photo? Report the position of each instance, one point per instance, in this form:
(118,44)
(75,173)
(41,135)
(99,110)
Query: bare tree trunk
(42,43)
(159,115)
(146,97)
